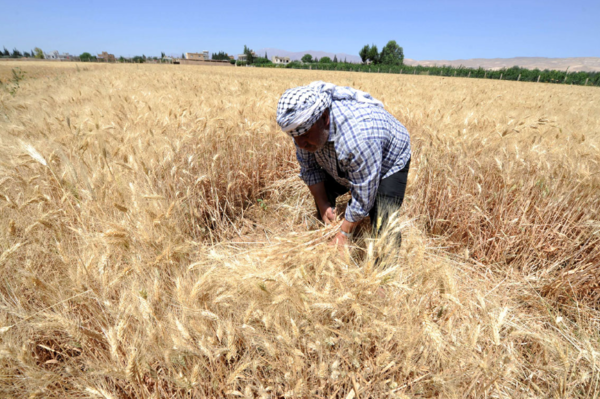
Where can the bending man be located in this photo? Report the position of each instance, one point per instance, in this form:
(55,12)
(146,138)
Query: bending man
(345,140)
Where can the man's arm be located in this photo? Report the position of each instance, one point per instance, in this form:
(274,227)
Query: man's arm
(314,177)
(325,208)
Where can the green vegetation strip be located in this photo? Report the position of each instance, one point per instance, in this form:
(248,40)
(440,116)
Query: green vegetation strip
(514,73)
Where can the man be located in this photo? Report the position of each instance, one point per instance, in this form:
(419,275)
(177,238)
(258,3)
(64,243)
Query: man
(345,140)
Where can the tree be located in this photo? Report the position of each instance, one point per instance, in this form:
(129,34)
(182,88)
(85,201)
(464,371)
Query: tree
(221,55)
(26,54)
(261,60)
(162,54)
(373,54)
(307,58)
(16,53)
(325,60)
(121,59)
(316,59)
(335,60)
(39,53)
(249,55)
(364,53)
(392,54)
(266,56)
(345,62)
(85,57)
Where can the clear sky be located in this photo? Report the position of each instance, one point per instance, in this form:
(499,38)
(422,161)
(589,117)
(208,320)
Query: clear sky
(427,29)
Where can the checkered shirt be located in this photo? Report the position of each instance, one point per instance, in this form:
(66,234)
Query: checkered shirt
(366,144)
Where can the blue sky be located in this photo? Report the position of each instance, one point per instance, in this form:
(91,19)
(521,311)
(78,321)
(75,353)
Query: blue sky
(427,29)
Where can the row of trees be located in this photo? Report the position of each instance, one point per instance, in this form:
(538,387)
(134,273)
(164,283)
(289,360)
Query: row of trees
(308,59)
(85,56)
(35,53)
(514,73)
(391,54)
(221,55)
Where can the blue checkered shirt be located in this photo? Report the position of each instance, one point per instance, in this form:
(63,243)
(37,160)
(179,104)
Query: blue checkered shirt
(366,144)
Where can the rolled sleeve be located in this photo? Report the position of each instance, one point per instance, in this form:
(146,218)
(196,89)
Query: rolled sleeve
(364,174)
(310,171)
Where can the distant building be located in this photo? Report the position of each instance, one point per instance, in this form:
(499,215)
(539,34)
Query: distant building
(197,56)
(105,57)
(242,57)
(281,60)
(55,55)
(231,57)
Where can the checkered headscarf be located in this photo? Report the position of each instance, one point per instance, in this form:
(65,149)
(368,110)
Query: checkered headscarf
(299,108)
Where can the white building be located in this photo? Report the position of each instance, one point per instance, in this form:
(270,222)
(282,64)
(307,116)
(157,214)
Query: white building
(281,60)
(55,55)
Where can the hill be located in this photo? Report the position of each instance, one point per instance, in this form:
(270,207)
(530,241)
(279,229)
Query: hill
(588,64)
(297,55)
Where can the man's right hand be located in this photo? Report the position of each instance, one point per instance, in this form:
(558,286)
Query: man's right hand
(328,216)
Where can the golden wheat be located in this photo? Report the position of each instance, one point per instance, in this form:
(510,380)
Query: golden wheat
(156,241)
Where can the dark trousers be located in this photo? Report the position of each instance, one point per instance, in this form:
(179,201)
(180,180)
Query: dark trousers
(390,196)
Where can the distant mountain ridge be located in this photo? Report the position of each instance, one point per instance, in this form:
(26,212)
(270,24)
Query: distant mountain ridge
(575,64)
(297,55)
(587,64)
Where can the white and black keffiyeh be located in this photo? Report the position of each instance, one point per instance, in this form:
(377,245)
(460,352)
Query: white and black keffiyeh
(299,108)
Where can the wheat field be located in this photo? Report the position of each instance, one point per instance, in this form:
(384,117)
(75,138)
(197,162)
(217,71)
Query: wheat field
(156,241)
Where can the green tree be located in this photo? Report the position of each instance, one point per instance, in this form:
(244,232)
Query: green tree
(16,53)
(316,59)
(325,60)
(392,54)
(85,57)
(261,60)
(335,60)
(266,56)
(364,53)
(373,54)
(39,53)
(121,59)
(162,54)
(249,55)
(26,54)
(307,58)
(221,55)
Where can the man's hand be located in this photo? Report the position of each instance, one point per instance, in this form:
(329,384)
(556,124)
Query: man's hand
(328,216)
(325,209)
(339,241)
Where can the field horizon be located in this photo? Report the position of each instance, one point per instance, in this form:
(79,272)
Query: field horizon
(156,241)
